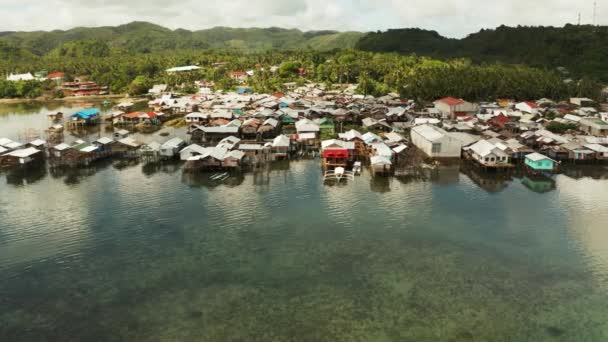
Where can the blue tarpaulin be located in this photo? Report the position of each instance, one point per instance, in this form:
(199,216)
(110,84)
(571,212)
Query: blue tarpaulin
(86,114)
(244,90)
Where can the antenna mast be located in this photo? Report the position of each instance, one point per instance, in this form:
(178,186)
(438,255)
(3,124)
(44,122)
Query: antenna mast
(594,13)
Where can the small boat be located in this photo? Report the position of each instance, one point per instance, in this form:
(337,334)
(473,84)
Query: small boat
(219,175)
(357,168)
(338,174)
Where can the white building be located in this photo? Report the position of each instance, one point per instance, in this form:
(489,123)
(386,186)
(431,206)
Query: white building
(452,108)
(488,154)
(20,77)
(435,142)
(527,107)
(183,69)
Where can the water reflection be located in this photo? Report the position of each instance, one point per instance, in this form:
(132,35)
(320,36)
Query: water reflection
(26,176)
(156,257)
(74,175)
(539,184)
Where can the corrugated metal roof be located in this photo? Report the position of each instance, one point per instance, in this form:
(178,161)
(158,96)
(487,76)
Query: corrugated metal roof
(430,133)
(536,157)
(24,153)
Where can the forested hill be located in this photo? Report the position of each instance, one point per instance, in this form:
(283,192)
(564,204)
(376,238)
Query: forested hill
(582,50)
(142,37)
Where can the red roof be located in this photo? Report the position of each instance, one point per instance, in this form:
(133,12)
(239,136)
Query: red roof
(338,153)
(238,73)
(451,101)
(278,95)
(136,115)
(500,120)
(55,75)
(532,105)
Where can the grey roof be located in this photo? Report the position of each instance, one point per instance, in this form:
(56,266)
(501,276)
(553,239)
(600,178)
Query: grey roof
(281,141)
(173,143)
(221,129)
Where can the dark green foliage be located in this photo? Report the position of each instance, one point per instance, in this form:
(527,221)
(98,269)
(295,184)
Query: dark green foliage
(415,77)
(580,49)
(560,128)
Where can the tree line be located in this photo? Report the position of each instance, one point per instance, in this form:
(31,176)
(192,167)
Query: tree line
(416,77)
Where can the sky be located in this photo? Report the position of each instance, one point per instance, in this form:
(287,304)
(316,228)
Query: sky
(451,18)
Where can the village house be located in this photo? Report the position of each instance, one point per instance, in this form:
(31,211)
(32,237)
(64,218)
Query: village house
(171,148)
(594,126)
(197,118)
(453,108)
(337,153)
(239,76)
(20,77)
(191,151)
(435,142)
(307,126)
(233,159)
(281,147)
(21,157)
(381,166)
(376,125)
(269,129)
(127,147)
(528,107)
(255,154)
(158,90)
(487,154)
(85,117)
(249,128)
(600,152)
(540,163)
(213,134)
(179,69)
(582,102)
(135,118)
(57,77)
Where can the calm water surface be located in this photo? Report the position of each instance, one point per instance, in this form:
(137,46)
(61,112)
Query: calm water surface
(129,252)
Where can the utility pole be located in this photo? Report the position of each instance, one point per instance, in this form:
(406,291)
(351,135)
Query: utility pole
(579,18)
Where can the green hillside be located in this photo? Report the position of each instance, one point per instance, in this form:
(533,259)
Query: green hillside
(580,49)
(142,37)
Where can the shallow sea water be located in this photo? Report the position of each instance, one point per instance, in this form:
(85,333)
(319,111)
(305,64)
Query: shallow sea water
(129,252)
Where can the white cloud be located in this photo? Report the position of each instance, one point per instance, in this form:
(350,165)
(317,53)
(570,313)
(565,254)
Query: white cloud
(454,18)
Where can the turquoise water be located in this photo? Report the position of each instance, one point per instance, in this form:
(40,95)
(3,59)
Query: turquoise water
(128,252)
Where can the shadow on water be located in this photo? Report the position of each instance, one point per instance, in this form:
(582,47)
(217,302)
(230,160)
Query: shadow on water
(207,179)
(169,167)
(74,175)
(380,184)
(26,176)
(491,182)
(597,172)
(539,184)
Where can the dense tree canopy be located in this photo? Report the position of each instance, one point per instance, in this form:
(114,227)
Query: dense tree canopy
(577,50)
(413,76)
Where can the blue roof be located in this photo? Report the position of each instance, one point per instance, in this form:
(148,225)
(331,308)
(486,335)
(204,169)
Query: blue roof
(244,90)
(86,113)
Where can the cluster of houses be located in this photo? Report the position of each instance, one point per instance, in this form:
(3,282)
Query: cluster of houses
(227,130)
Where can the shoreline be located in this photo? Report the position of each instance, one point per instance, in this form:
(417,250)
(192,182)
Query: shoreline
(64,99)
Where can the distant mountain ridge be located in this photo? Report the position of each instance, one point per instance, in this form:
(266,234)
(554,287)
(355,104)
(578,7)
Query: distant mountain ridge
(142,37)
(581,49)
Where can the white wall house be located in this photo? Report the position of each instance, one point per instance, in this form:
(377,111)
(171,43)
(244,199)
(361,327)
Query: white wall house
(527,107)
(20,77)
(487,153)
(450,107)
(435,142)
